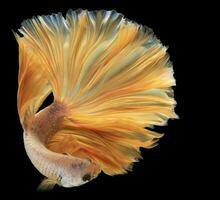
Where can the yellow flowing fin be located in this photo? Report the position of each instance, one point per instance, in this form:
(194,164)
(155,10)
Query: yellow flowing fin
(33,85)
(114,145)
(115,77)
(69,47)
(46,35)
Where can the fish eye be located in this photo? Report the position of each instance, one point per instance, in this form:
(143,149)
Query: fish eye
(86,177)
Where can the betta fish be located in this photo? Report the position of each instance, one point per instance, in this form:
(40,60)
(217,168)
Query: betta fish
(111,80)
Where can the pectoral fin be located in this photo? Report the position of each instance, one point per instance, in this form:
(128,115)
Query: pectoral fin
(46,185)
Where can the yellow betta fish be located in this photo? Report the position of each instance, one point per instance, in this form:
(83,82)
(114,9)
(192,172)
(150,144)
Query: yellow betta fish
(111,80)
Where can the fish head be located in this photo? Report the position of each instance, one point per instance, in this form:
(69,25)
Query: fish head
(79,174)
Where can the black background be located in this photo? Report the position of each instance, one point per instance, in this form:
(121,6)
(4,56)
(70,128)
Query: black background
(169,170)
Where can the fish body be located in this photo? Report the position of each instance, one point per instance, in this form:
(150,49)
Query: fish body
(111,79)
(64,170)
